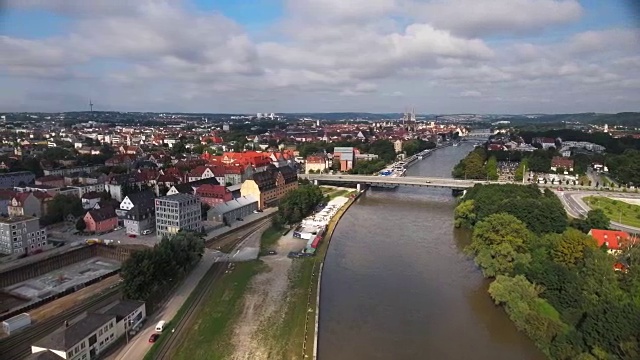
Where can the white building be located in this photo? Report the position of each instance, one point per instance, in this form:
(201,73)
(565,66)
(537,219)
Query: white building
(177,212)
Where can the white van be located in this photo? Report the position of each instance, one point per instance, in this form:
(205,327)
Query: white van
(146,232)
(160,326)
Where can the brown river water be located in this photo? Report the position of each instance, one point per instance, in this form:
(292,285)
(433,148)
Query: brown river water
(397,286)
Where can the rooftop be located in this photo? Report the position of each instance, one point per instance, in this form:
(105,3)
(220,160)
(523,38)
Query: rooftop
(178,197)
(66,337)
(122,308)
(16,219)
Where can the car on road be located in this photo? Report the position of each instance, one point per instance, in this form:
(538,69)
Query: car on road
(560,189)
(428,181)
(117,228)
(132,235)
(146,232)
(272,252)
(153,338)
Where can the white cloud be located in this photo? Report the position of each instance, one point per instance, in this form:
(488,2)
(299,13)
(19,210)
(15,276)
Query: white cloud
(327,55)
(478,18)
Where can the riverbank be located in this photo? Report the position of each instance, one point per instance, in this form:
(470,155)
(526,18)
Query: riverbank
(278,311)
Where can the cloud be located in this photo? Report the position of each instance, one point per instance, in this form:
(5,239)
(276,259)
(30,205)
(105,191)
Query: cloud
(471,93)
(322,56)
(479,18)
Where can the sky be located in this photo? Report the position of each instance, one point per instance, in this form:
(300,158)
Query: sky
(248,56)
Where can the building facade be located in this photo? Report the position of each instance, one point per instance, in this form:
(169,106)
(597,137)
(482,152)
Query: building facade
(21,234)
(140,212)
(101,220)
(229,212)
(269,186)
(346,156)
(177,212)
(18,178)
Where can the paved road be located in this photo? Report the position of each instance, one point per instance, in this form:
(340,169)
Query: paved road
(138,346)
(576,207)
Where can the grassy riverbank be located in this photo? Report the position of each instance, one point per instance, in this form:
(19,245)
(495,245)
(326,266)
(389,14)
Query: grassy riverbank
(210,336)
(616,210)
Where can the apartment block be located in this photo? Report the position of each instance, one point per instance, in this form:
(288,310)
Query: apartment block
(177,212)
(20,234)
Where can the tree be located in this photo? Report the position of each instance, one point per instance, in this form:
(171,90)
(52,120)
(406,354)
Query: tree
(61,206)
(492,168)
(569,248)
(297,204)
(80,224)
(597,219)
(464,215)
(498,244)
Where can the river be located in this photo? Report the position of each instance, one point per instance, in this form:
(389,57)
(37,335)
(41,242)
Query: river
(397,286)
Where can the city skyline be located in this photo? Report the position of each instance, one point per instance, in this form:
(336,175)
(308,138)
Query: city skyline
(288,56)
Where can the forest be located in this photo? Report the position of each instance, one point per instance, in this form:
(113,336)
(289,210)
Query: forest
(297,204)
(554,282)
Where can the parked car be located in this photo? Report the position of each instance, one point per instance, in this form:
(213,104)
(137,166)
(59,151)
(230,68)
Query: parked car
(154,337)
(293,254)
(146,232)
(132,235)
(560,189)
(240,219)
(272,252)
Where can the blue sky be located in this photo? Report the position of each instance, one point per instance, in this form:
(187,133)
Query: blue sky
(321,55)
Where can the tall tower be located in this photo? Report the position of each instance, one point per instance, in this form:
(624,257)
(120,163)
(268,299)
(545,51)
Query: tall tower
(91,106)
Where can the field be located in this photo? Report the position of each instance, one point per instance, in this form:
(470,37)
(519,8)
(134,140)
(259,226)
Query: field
(616,210)
(210,337)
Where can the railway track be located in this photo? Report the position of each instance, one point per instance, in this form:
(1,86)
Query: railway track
(19,346)
(233,236)
(203,288)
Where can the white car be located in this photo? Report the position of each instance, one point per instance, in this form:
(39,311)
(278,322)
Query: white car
(146,232)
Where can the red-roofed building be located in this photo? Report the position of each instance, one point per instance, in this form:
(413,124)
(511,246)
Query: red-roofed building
(213,194)
(558,162)
(614,240)
(29,204)
(101,220)
(199,173)
(51,180)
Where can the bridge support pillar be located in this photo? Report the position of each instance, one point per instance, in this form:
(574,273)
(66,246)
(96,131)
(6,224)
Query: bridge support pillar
(458,192)
(359,187)
(315,182)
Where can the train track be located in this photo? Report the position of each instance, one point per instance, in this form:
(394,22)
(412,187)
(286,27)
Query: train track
(19,346)
(233,235)
(205,285)
(203,288)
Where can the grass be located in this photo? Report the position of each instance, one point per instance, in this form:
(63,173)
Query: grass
(209,338)
(334,195)
(269,238)
(616,210)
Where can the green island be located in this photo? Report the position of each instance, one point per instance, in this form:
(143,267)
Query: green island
(616,210)
(553,281)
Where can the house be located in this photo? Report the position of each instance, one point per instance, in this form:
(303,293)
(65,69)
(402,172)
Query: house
(317,163)
(90,199)
(101,220)
(51,180)
(5,200)
(190,187)
(199,173)
(228,212)
(29,203)
(236,174)
(213,194)
(345,156)
(545,142)
(614,240)
(558,162)
(82,340)
(397,146)
(140,212)
(269,186)
(17,178)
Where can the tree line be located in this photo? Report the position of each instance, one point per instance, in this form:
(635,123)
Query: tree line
(146,273)
(553,280)
(478,165)
(297,204)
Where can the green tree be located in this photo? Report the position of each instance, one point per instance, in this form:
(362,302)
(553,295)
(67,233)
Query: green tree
(61,206)
(492,168)
(498,244)
(80,224)
(569,248)
(464,216)
(520,171)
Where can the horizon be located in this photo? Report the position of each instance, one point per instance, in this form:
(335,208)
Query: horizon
(513,57)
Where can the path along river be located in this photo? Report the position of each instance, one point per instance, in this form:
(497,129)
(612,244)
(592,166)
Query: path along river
(397,286)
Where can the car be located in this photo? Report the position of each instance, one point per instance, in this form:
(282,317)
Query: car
(240,219)
(560,189)
(428,181)
(293,254)
(146,232)
(153,337)
(132,235)
(272,252)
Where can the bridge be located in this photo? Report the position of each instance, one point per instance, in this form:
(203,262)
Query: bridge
(432,182)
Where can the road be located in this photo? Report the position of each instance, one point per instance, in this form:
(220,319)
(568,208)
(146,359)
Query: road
(576,207)
(138,346)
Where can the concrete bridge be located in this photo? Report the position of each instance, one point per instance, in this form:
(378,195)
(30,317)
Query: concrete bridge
(433,182)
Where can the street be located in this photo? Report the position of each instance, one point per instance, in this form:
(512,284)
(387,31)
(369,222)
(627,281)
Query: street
(576,207)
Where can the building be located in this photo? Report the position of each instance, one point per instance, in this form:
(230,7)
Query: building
(72,170)
(565,164)
(345,156)
(191,187)
(614,240)
(87,188)
(129,314)
(29,203)
(18,178)
(21,234)
(544,142)
(229,212)
(213,194)
(5,200)
(316,163)
(51,180)
(177,212)
(397,146)
(269,186)
(140,212)
(90,199)
(101,220)
(84,339)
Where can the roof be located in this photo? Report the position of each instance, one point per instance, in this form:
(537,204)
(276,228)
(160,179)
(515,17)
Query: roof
(122,308)
(66,337)
(208,189)
(185,188)
(178,197)
(142,198)
(104,213)
(91,195)
(231,205)
(43,355)
(289,174)
(265,180)
(50,178)
(613,239)
(562,162)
